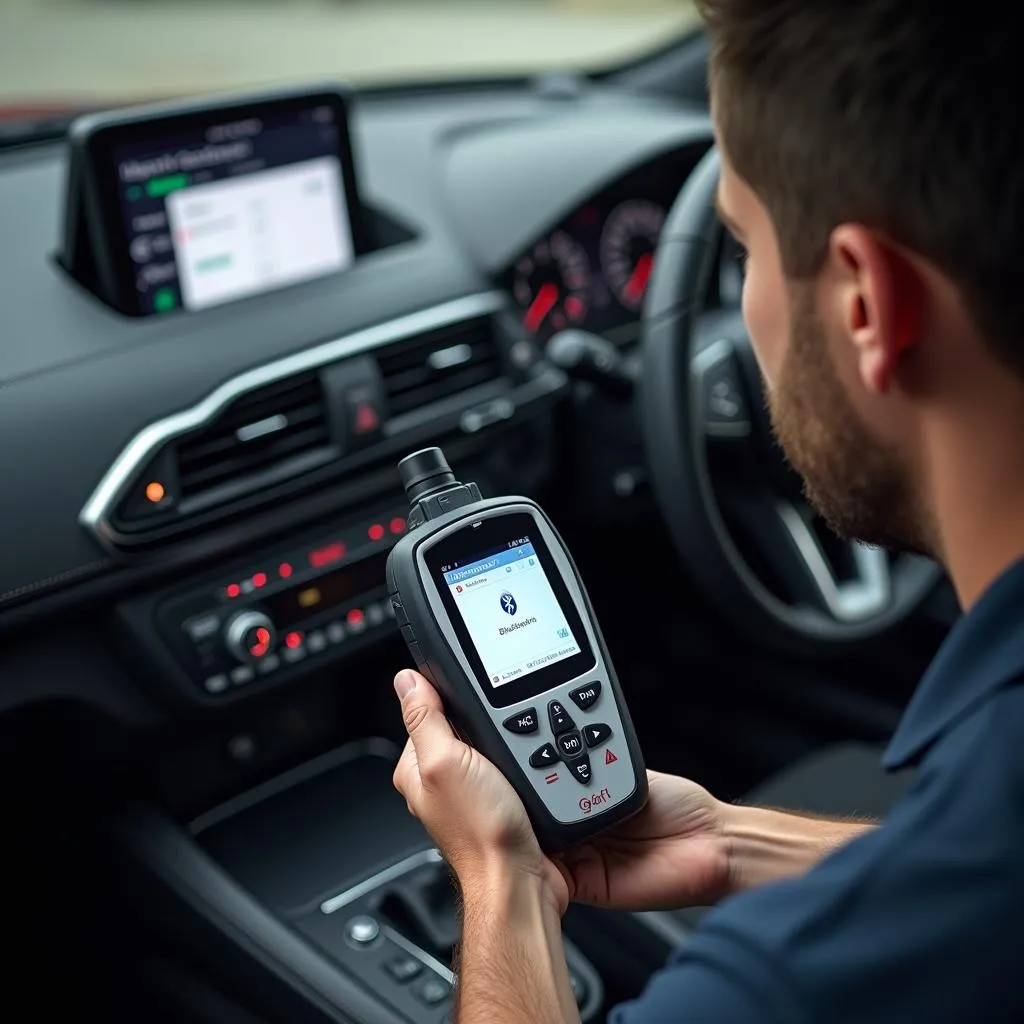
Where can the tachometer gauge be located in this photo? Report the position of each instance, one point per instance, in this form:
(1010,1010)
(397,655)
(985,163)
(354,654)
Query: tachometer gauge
(628,244)
(551,285)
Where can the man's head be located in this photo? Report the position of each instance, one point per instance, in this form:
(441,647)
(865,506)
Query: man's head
(873,167)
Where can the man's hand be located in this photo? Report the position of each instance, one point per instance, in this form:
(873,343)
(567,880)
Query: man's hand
(473,813)
(673,853)
(685,848)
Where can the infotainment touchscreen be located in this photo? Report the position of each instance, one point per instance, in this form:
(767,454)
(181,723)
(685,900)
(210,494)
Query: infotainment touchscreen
(202,206)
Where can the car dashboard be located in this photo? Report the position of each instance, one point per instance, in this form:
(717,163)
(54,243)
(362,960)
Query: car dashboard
(497,217)
(196,635)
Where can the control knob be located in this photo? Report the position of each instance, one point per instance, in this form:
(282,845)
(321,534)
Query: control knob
(250,636)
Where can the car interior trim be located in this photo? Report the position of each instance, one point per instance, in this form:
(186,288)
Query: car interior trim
(97,510)
(414,951)
(403,867)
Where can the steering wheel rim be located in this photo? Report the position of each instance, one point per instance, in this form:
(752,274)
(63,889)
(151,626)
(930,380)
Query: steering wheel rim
(681,363)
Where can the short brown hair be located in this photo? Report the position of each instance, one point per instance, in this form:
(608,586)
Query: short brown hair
(904,115)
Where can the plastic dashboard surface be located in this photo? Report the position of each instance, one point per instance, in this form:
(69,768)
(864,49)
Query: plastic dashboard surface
(476,176)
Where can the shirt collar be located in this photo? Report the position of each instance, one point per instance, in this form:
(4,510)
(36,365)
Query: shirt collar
(984,650)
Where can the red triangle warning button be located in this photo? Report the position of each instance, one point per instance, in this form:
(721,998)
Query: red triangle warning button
(367,419)
(609,757)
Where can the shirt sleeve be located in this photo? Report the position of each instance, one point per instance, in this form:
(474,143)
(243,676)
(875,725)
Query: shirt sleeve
(918,920)
(714,980)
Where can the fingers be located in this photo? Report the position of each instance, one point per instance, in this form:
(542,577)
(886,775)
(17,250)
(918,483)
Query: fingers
(423,713)
(406,776)
(431,740)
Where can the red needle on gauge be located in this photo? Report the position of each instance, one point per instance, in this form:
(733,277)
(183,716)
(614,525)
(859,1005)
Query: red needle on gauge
(637,283)
(540,307)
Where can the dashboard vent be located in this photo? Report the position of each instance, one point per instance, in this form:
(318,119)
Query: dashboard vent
(282,427)
(439,364)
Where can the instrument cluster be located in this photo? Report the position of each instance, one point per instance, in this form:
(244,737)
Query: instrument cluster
(591,271)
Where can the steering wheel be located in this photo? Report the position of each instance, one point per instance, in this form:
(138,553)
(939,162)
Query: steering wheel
(732,506)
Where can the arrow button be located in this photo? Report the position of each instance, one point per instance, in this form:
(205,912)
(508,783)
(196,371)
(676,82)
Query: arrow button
(580,769)
(543,756)
(597,734)
(560,719)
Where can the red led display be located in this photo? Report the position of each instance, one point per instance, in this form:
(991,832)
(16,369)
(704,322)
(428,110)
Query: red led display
(376,532)
(233,590)
(284,570)
(355,617)
(293,640)
(327,554)
(260,579)
(398,525)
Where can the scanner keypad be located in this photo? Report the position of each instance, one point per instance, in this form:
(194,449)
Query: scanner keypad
(572,745)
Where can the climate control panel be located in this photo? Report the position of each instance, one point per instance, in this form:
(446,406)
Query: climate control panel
(286,609)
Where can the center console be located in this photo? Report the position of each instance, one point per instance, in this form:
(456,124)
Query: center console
(322,898)
(359,879)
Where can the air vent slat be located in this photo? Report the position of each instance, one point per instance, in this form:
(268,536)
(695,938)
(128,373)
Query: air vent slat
(261,406)
(438,365)
(242,463)
(221,443)
(260,431)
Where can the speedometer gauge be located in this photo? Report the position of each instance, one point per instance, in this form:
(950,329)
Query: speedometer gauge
(628,243)
(551,285)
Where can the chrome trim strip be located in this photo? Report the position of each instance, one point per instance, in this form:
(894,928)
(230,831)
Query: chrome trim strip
(403,867)
(145,444)
(420,954)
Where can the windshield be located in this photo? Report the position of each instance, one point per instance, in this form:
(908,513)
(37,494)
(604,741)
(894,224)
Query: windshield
(85,53)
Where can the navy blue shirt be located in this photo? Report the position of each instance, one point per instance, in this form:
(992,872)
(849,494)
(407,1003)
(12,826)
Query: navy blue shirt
(919,921)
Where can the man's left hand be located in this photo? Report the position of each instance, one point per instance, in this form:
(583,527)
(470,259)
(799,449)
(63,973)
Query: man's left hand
(473,813)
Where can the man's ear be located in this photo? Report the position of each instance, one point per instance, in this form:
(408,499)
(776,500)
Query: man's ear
(880,294)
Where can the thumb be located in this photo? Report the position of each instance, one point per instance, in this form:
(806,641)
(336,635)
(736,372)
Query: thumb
(423,714)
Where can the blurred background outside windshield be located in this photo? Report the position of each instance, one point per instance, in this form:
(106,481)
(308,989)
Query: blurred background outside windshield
(93,52)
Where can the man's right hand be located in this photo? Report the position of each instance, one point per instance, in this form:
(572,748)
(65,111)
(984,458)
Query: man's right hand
(671,854)
(687,849)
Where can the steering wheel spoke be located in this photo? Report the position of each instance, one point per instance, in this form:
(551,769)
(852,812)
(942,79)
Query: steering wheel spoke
(853,587)
(721,402)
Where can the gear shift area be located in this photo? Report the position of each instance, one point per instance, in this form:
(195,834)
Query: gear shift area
(333,853)
(403,924)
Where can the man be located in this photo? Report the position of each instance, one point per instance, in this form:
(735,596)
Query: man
(873,167)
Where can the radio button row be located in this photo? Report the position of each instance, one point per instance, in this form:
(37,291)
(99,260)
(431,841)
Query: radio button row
(216,684)
(293,654)
(242,674)
(271,663)
(203,628)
